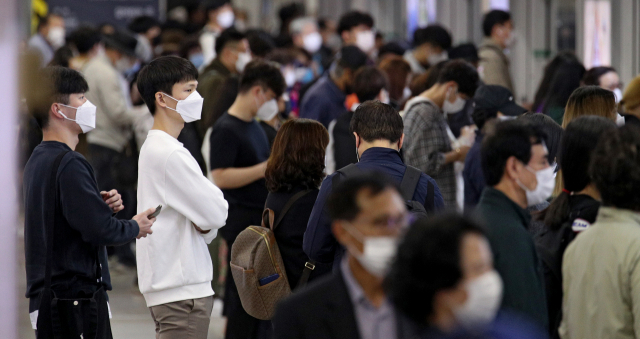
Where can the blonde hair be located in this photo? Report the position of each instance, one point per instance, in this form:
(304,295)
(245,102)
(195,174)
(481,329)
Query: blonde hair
(590,100)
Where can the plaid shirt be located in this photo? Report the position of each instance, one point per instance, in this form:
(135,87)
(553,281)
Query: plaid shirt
(426,142)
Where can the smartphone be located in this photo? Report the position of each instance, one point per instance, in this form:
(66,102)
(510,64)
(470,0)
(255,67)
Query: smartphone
(155,214)
(268,279)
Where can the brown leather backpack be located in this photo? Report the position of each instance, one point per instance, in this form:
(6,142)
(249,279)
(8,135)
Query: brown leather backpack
(257,267)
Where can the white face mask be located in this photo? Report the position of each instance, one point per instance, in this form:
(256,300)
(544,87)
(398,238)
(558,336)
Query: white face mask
(289,77)
(384,97)
(378,252)
(366,41)
(312,42)
(56,37)
(406,93)
(190,109)
(268,110)
(618,94)
(85,116)
(435,59)
(620,121)
(225,19)
(484,295)
(510,40)
(453,107)
(546,179)
(243,60)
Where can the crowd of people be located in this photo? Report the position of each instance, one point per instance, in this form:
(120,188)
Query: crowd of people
(203,153)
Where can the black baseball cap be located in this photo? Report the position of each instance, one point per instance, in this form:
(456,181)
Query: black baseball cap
(494,97)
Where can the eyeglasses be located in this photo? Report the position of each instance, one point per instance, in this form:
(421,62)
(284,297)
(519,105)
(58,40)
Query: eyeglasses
(401,222)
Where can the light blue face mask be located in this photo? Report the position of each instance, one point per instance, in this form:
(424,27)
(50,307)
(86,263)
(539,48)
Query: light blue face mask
(197,59)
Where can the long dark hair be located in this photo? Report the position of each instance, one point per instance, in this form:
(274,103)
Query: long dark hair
(578,144)
(592,76)
(563,58)
(564,82)
(297,156)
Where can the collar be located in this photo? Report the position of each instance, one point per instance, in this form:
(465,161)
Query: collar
(618,215)
(163,134)
(55,143)
(505,204)
(381,154)
(356,293)
(487,41)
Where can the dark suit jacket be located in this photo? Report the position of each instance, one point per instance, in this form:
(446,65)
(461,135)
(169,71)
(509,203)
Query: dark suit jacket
(323,310)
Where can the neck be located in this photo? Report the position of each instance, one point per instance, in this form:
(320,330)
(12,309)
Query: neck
(364,145)
(591,191)
(338,82)
(436,93)
(370,284)
(443,320)
(162,122)
(244,108)
(512,191)
(498,42)
(61,135)
(213,25)
(231,66)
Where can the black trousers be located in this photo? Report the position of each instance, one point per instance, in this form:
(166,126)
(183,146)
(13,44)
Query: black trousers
(102,159)
(240,325)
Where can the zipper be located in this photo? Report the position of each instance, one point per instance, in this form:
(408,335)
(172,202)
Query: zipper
(264,236)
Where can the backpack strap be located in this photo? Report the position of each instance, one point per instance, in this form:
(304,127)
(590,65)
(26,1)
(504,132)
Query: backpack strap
(309,266)
(429,202)
(268,214)
(409,182)
(51,211)
(347,171)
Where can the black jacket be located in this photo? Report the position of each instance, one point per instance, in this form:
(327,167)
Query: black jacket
(87,223)
(551,244)
(344,147)
(514,255)
(290,232)
(324,310)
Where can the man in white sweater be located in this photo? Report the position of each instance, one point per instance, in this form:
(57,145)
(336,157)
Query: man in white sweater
(174,266)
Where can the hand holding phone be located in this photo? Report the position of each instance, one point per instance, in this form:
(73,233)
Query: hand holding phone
(156,213)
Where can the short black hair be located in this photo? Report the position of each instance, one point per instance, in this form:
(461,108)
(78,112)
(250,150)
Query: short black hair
(374,120)
(354,19)
(428,261)
(161,74)
(142,24)
(85,38)
(592,76)
(481,115)
(65,81)
(463,74)
(262,73)
(495,17)
(435,35)
(212,5)
(552,131)
(260,42)
(44,20)
(615,168)
(228,36)
(368,81)
(342,202)
(510,139)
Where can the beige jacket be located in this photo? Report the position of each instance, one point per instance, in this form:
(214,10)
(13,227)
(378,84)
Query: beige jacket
(115,116)
(601,279)
(494,65)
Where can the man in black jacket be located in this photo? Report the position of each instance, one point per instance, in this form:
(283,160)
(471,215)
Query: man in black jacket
(86,222)
(368,216)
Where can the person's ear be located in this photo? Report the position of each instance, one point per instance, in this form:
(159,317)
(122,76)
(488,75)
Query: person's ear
(401,142)
(346,35)
(357,139)
(160,101)
(512,168)
(55,110)
(339,232)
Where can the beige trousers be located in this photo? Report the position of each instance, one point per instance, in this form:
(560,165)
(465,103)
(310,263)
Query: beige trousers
(188,319)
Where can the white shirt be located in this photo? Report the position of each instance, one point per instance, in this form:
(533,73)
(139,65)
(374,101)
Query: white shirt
(174,262)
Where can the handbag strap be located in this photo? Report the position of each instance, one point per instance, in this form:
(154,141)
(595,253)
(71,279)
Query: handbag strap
(52,215)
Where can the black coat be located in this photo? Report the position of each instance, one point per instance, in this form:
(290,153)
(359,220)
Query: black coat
(290,232)
(324,310)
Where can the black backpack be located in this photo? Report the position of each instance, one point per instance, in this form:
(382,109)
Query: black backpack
(408,187)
